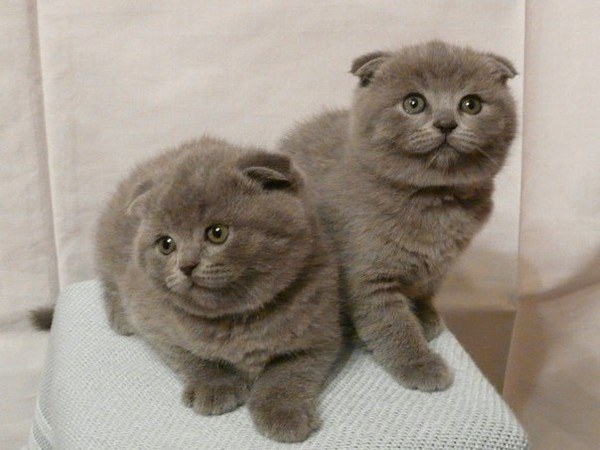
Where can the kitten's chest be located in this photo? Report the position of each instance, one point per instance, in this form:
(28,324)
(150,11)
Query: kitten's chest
(416,239)
(440,219)
(247,346)
(438,223)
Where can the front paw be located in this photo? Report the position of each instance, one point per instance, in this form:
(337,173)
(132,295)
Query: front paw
(120,325)
(428,373)
(215,397)
(285,422)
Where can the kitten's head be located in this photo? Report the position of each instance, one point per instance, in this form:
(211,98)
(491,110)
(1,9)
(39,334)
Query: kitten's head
(226,230)
(433,114)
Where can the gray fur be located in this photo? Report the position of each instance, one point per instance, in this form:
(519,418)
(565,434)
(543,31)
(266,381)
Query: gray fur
(257,319)
(399,203)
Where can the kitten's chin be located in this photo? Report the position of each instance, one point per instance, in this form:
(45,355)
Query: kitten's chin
(444,157)
(212,283)
(202,303)
(445,166)
(209,303)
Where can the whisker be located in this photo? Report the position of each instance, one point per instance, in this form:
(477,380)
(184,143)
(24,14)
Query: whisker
(431,161)
(417,137)
(487,156)
(470,140)
(215,274)
(172,284)
(172,277)
(173,280)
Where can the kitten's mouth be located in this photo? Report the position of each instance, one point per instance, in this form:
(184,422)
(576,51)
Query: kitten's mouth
(183,286)
(443,156)
(442,146)
(445,146)
(211,284)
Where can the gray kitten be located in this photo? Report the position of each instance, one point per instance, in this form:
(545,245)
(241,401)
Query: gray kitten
(214,255)
(405,180)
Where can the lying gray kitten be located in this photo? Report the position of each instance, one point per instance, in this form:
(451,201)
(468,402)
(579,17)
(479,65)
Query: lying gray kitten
(405,180)
(213,254)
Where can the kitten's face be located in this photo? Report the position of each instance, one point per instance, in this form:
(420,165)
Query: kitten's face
(223,240)
(434,114)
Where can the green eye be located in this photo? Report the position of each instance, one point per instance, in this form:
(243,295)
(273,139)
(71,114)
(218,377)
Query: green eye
(471,104)
(217,234)
(166,245)
(414,104)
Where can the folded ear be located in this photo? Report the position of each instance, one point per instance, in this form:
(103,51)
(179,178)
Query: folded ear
(365,66)
(502,68)
(140,199)
(273,171)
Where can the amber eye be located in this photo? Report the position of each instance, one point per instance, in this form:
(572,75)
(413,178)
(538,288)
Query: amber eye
(166,245)
(217,234)
(471,104)
(414,104)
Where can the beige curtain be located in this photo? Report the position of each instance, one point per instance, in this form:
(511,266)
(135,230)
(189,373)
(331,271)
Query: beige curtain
(553,372)
(89,88)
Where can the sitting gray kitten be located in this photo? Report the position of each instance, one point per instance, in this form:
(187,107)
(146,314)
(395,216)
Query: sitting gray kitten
(214,255)
(405,180)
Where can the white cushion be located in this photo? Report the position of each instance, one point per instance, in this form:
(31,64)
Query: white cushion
(104,391)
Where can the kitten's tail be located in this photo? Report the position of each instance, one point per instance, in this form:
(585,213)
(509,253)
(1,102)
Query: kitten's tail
(41,318)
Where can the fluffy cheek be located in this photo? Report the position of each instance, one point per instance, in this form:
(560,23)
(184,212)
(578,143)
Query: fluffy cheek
(246,274)
(377,120)
(259,254)
(396,131)
(157,266)
(490,130)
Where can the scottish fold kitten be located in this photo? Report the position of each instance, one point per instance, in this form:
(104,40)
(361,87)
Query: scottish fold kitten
(214,255)
(405,180)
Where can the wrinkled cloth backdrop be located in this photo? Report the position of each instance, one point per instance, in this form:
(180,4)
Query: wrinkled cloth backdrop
(89,88)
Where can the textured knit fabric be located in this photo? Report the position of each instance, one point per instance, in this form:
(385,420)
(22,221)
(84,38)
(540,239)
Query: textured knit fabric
(104,391)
